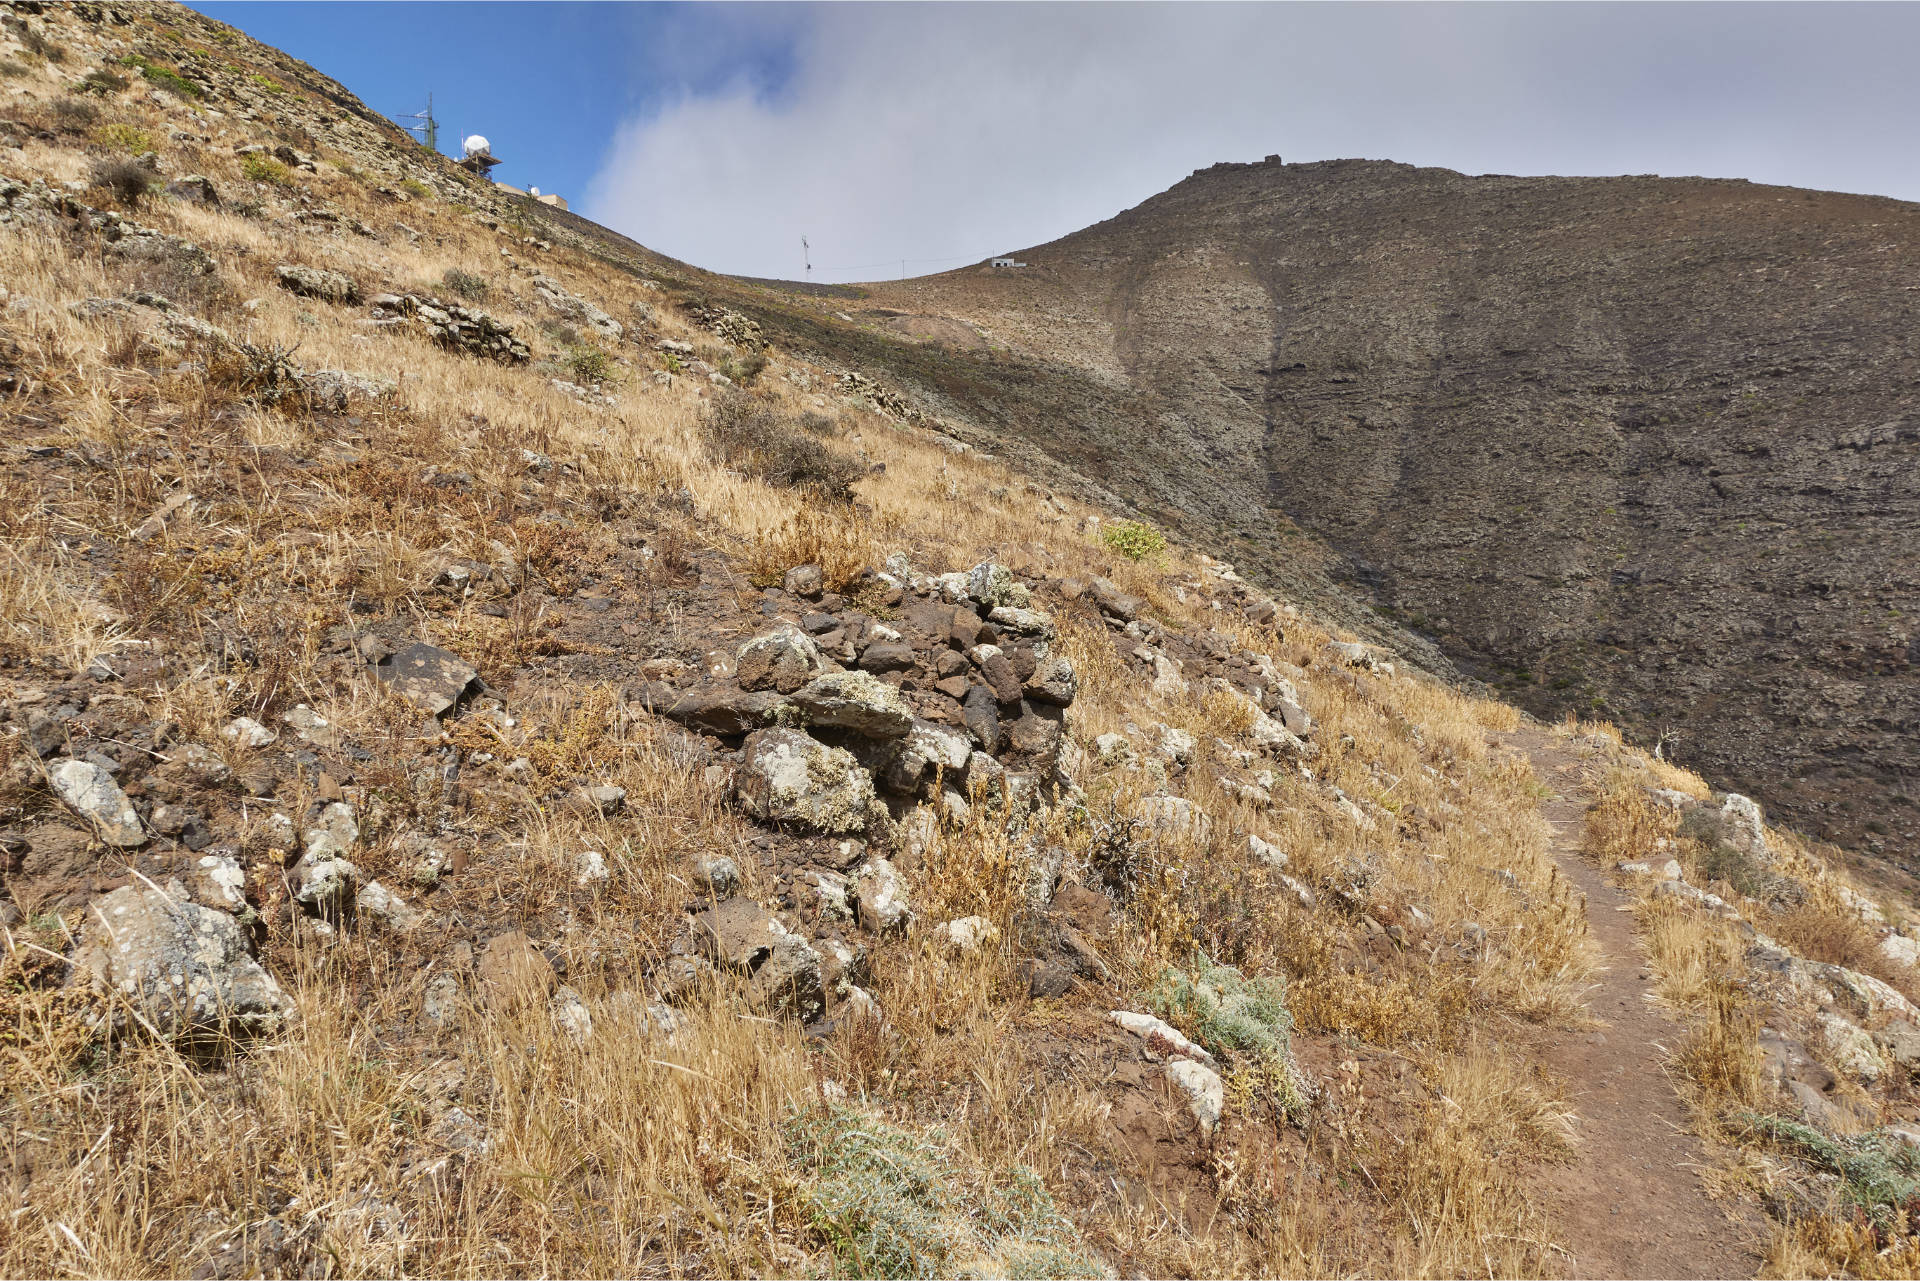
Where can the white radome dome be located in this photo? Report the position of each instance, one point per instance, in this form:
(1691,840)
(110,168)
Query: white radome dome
(477,146)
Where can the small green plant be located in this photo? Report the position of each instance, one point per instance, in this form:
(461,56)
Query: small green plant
(743,369)
(415,188)
(124,137)
(1233,1016)
(162,77)
(260,167)
(1879,1173)
(267,84)
(589,366)
(891,1204)
(465,284)
(1133,539)
(102,82)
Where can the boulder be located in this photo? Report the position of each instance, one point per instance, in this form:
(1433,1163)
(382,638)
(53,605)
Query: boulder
(880,897)
(723,710)
(247,732)
(993,584)
(1111,600)
(855,701)
(186,969)
(788,981)
(887,656)
(317,282)
(927,747)
(378,905)
(782,659)
(1053,681)
(1205,1093)
(980,711)
(91,793)
(795,780)
(996,669)
(333,835)
(1174,817)
(1161,1037)
(431,678)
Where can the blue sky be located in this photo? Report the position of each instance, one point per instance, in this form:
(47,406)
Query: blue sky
(944,133)
(547,84)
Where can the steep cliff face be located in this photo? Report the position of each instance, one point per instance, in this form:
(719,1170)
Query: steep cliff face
(1640,447)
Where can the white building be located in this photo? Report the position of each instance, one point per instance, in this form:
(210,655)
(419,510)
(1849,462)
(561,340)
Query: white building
(1007,262)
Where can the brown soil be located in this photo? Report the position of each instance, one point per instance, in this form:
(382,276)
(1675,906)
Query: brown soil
(1631,1203)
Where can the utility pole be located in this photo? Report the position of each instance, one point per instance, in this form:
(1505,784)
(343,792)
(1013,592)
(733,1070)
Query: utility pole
(806,254)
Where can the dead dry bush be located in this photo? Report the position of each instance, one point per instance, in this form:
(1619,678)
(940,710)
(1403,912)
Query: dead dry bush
(760,439)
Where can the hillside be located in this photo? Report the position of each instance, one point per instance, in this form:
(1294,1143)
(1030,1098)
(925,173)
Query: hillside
(519,756)
(1635,447)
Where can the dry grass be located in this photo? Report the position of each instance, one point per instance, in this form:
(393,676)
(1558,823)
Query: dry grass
(630,1153)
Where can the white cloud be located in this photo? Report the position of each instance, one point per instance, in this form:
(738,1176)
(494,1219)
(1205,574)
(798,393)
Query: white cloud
(931,132)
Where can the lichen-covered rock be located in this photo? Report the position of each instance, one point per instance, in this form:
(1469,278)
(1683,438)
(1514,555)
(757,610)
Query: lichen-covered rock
(791,779)
(855,701)
(91,792)
(926,748)
(451,325)
(725,710)
(186,969)
(317,282)
(881,897)
(782,659)
(1053,681)
(431,678)
(577,309)
(993,585)
(336,390)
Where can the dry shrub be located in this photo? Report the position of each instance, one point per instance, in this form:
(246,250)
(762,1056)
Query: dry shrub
(1721,1055)
(761,440)
(126,179)
(1626,824)
(838,540)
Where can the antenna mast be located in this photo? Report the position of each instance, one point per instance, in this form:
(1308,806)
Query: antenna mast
(428,128)
(806,253)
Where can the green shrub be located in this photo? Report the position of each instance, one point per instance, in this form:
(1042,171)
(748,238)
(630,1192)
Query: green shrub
(1233,1016)
(268,85)
(890,1204)
(260,167)
(1133,539)
(742,369)
(102,82)
(757,439)
(1879,1172)
(589,366)
(415,188)
(124,137)
(465,284)
(162,77)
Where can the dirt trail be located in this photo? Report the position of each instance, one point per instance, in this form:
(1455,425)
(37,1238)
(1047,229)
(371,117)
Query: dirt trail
(1630,1204)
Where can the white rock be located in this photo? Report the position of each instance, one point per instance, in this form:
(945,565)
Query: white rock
(570,1014)
(969,932)
(222,882)
(1176,744)
(1900,949)
(380,905)
(1270,854)
(1853,1050)
(1175,816)
(1206,1094)
(1160,1036)
(335,835)
(590,867)
(93,794)
(247,732)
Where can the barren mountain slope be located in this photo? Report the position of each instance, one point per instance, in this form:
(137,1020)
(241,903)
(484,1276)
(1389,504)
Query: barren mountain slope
(1642,446)
(509,766)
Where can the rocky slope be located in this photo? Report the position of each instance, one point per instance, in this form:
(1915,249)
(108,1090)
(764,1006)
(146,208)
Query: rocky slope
(519,756)
(1641,447)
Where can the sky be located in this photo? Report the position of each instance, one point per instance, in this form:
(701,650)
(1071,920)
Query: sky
(918,137)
